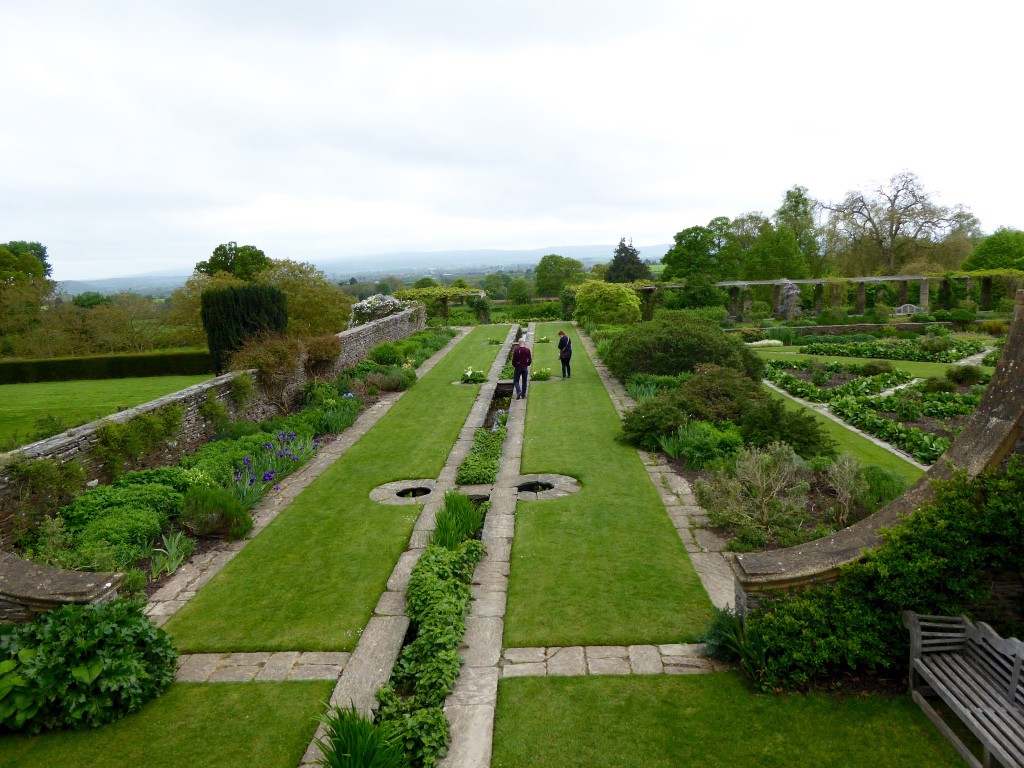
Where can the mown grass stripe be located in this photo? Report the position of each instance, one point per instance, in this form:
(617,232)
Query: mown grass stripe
(310,580)
(603,566)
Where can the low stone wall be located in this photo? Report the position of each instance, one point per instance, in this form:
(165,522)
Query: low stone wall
(993,432)
(76,444)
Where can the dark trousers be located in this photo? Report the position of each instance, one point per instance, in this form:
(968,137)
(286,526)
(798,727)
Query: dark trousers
(566,372)
(520,375)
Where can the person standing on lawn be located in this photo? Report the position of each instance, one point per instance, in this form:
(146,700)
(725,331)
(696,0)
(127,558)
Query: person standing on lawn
(521,360)
(565,354)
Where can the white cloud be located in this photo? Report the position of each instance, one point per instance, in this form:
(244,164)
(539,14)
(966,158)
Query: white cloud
(146,134)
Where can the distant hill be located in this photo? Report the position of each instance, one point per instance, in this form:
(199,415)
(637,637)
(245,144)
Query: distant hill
(368,267)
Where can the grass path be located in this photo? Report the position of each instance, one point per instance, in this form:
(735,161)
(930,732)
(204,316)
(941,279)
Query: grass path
(227,725)
(916,369)
(862,449)
(78,402)
(603,566)
(310,580)
(712,721)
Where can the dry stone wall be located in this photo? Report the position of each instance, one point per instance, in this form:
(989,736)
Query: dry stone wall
(77,444)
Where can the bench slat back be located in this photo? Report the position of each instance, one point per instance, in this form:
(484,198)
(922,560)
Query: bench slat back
(999,658)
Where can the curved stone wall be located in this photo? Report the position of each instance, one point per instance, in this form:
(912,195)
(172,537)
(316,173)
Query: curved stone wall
(990,436)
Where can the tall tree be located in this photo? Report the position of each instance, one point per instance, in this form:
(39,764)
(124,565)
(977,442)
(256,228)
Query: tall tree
(775,255)
(626,265)
(1003,249)
(315,304)
(22,248)
(894,224)
(242,261)
(712,252)
(799,212)
(554,272)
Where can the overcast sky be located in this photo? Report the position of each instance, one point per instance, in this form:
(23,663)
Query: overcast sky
(139,135)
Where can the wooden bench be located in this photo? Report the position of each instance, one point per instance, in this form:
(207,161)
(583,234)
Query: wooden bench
(979,677)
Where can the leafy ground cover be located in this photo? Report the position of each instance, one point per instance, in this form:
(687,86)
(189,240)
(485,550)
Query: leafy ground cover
(311,579)
(27,411)
(604,565)
(708,720)
(193,724)
(900,349)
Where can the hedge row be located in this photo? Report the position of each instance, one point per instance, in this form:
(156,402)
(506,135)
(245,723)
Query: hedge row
(105,367)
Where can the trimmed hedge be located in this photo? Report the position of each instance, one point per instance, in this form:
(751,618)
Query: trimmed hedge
(192,363)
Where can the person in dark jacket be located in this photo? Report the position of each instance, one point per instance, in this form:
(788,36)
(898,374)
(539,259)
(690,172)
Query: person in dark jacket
(521,359)
(565,354)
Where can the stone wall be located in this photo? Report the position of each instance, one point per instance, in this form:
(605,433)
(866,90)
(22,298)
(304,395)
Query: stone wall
(77,443)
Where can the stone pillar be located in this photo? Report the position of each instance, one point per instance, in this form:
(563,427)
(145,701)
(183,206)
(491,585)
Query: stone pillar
(734,300)
(819,297)
(902,296)
(969,289)
(776,300)
(986,294)
(748,302)
(861,298)
(923,300)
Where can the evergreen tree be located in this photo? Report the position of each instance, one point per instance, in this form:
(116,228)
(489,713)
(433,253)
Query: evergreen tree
(233,315)
(626,265)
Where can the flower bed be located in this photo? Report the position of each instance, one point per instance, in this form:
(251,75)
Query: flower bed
(818,389)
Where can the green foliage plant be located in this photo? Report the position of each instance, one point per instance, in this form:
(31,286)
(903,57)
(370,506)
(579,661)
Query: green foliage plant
(700,443)
(481,463)
(39,487)
(174,550)
(86,665)
(938,560)
(458,520)
(215,412)
(540,374)
(126,533)
(96,503)
(215,512)
(600,302)
(128,445)
(669,346)
(964,374)
(242,388)
(386,353)
(425,673)
(352,740)
(768,421)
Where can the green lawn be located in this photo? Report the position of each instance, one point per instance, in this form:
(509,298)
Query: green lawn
(77,402)
(604,566)
(915,369)
(712,721)
(192,725)
(311,579)
(863,449)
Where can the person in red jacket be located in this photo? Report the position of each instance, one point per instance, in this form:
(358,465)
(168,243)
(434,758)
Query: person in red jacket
(521,359)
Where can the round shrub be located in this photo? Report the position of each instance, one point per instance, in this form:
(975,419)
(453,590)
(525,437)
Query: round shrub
(668,346)
(386,354)
(884,485)
(598,302)
(127,531)
(215,511)
(86,665)
(96,503)
(936,384)
(964,374)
